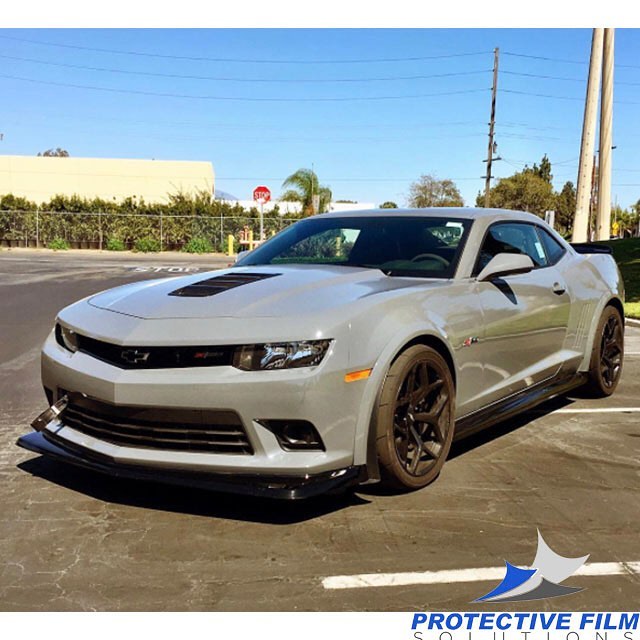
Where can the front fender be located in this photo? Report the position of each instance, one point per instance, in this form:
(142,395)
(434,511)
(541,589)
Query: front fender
(388,339)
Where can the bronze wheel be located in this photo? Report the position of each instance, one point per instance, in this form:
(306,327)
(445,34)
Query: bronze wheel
(607,355)
(415,418)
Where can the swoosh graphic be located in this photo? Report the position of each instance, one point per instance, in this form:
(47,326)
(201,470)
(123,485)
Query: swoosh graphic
(513,578)
(544,590)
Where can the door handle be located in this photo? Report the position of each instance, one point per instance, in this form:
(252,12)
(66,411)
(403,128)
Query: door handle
(558,288)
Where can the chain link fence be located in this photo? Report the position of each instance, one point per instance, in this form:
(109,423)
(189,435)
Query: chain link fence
(169,232)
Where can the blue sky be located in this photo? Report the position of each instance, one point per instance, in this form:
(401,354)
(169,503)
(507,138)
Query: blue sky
(370,109)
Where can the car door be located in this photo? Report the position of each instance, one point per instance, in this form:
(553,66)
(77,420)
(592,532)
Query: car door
(525,316)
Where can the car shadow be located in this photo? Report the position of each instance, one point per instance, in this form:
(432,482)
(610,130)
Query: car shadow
(163,497)
(485,436)
(500,429)
(190,501)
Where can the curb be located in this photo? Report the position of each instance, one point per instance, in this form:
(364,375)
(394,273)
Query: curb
(632,322)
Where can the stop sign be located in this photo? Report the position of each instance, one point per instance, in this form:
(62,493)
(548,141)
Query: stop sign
(261,194)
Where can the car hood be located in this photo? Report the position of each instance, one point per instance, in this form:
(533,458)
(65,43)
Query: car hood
(264,291)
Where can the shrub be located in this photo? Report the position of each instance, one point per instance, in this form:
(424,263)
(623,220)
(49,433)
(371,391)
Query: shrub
(58,244)
(115,244)
(146,245)
(198,245)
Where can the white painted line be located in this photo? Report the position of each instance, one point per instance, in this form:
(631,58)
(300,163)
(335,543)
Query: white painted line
(601,410)
(451,576)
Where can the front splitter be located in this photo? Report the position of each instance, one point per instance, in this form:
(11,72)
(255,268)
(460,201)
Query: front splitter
(268,486)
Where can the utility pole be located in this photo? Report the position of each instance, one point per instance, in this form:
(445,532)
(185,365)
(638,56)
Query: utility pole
(603,218)
(492,123)
(585,170)
(593,200)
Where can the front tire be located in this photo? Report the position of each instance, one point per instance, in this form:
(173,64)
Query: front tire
(415,419)
(607,355)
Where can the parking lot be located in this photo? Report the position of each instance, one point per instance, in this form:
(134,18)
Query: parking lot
(73,540)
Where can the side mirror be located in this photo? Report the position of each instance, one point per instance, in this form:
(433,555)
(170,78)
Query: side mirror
(506,264)
(241,254)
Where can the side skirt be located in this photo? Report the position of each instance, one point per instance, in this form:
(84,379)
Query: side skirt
(516,404)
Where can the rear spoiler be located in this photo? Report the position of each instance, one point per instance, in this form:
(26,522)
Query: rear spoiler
(589,247)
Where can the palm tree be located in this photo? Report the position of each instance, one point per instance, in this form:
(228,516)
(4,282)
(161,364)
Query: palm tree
(304,186)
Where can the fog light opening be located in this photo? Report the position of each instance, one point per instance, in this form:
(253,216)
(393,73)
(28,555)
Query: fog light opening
(294,435)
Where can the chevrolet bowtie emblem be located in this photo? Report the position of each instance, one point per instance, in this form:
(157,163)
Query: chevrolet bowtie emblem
(133,356)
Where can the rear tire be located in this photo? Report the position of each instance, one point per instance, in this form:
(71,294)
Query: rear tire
(415,418)
(607,355)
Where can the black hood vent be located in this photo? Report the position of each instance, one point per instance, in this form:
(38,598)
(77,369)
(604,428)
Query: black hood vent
(218,284)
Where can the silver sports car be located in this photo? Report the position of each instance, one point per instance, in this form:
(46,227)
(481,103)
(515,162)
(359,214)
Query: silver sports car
(349,348)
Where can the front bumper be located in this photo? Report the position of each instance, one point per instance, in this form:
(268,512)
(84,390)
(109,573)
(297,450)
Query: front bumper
(318,395)
(279,487)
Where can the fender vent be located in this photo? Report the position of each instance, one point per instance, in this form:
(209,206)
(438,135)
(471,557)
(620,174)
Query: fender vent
(218,284)
(582,330)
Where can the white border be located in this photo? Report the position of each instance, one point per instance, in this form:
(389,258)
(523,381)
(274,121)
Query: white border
(325,14)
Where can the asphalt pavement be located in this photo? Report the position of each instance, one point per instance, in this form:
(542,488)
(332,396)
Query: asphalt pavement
(73,540)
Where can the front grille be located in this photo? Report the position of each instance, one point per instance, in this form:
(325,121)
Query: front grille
(156,357)
(218,284)
(195,430)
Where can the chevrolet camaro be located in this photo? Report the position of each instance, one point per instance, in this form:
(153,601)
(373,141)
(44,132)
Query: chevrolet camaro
(349,348)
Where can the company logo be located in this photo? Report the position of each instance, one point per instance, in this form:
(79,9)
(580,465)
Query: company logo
(541,580)
(133,356)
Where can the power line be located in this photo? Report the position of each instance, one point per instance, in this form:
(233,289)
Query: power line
(521,136)
(159,94)
(251,80)
(243,125)
(563,78)
(562,60)
(528,126)
(542,76)
(547,59)
(242,60)
(539,95)
(556,97)
(335,139)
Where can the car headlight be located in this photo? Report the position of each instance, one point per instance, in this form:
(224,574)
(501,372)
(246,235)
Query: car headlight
(66,338)
(281,355)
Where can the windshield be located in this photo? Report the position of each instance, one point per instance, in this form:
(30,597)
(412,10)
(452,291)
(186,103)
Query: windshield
(417,246)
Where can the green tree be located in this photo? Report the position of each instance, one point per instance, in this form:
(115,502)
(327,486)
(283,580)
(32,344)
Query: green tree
(388,205)
(525,190)
(55,153)
(428,191)
(303,186)
(544,170)
(565,207)
(627,221)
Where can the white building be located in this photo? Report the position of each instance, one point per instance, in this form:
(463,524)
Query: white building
(39,178)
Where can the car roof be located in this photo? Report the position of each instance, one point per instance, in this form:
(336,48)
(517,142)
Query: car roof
(471,213)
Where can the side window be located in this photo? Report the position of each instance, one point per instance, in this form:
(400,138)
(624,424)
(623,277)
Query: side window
(552,247)
(511,237)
